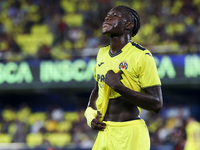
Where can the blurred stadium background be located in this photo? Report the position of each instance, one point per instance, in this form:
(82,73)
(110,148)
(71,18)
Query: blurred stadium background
(47,55)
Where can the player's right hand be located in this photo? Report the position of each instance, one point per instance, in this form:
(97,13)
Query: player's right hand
(98,125)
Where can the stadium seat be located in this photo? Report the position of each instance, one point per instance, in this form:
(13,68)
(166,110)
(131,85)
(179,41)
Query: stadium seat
(68,6)
(37,116)
(12,128)
(84,6)
(64,126)
(58,52)
(58,139)
(67,45)
(39,35)
(3,45)
(39,29)
(5,138)
(34,140)
(73,20)
(72,116)
(80,44)
(8,115)
(24,114)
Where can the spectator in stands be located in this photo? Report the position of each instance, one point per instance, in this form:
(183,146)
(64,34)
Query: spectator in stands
(193,134)
(176,21)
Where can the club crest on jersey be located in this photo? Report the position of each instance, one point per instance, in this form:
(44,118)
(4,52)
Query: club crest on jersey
(123,65)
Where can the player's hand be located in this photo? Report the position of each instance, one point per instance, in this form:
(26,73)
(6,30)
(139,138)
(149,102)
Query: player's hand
(113,79)
(96,124)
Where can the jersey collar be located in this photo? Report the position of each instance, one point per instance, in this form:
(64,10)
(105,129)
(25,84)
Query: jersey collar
(123,49)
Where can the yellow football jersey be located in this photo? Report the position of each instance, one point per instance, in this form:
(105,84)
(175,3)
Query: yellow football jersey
(135,60)
(193,136)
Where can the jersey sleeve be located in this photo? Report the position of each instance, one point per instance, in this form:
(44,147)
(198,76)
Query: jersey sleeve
(148,74)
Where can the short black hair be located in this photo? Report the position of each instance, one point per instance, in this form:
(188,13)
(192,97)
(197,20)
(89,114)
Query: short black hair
(134,17)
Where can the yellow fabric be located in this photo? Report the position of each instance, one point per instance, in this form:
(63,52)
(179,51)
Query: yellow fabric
(140,64)
(90,114)
(102,104)
(193,136)
(51,125)
(123,136)
(137,64)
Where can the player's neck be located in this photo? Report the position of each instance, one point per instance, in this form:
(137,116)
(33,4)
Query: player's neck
(118,42)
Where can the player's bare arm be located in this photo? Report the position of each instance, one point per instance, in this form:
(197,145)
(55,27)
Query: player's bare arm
(93,97)
(150,100)
(95,124)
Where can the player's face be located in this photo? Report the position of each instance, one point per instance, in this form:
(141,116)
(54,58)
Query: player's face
(115,22)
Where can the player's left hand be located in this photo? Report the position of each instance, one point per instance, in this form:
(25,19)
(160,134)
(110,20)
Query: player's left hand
(96,124)
(113,79)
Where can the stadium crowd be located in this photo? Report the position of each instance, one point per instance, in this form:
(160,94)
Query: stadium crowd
(62,29)
(59,128)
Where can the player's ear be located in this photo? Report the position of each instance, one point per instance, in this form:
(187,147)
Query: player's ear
(129,26)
